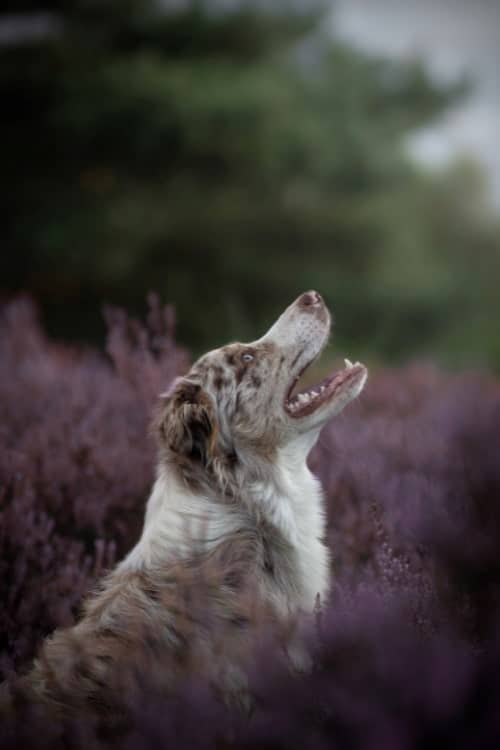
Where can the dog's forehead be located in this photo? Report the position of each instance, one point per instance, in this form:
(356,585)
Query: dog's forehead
(224,357)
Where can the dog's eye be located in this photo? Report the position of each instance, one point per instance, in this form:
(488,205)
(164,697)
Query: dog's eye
(247,357)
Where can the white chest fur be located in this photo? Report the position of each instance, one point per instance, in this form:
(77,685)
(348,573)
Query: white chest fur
(293,503)
(179,522)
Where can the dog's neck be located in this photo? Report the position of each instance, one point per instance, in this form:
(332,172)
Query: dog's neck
(179,523)
(283,501)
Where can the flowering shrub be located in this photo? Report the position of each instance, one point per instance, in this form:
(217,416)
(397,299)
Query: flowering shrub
(407,652)
(75,463)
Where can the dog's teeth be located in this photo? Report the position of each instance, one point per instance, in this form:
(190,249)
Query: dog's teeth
(348,362)
(322,388)
(303,398)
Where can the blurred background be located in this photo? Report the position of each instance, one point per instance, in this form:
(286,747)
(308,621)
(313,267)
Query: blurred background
(230,155)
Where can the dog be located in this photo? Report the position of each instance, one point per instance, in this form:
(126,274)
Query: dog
(234,514)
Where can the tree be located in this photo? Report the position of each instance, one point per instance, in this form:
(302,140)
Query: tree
(227,157)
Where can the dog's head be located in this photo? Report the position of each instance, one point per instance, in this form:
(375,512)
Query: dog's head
(241,400)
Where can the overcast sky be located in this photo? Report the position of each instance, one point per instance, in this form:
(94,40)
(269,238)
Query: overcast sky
(453,37)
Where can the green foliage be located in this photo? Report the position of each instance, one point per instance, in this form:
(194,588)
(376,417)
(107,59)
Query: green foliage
(230,159)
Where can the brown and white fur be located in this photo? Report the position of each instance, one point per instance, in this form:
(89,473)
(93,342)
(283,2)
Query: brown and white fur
(233,502)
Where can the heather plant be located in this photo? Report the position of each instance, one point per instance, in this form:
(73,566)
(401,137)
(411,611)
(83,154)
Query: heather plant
(406,653)
(412,482)
(75,462)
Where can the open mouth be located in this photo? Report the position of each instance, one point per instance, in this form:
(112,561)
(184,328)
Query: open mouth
(306,401)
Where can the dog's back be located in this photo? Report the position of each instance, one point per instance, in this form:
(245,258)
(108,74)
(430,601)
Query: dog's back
(194,617)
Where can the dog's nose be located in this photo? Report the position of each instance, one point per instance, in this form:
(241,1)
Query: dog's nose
(310,299)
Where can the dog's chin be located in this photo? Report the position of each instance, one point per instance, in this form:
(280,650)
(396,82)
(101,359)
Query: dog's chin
(311,407)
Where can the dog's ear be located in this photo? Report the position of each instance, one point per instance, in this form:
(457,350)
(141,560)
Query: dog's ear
(186,422)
